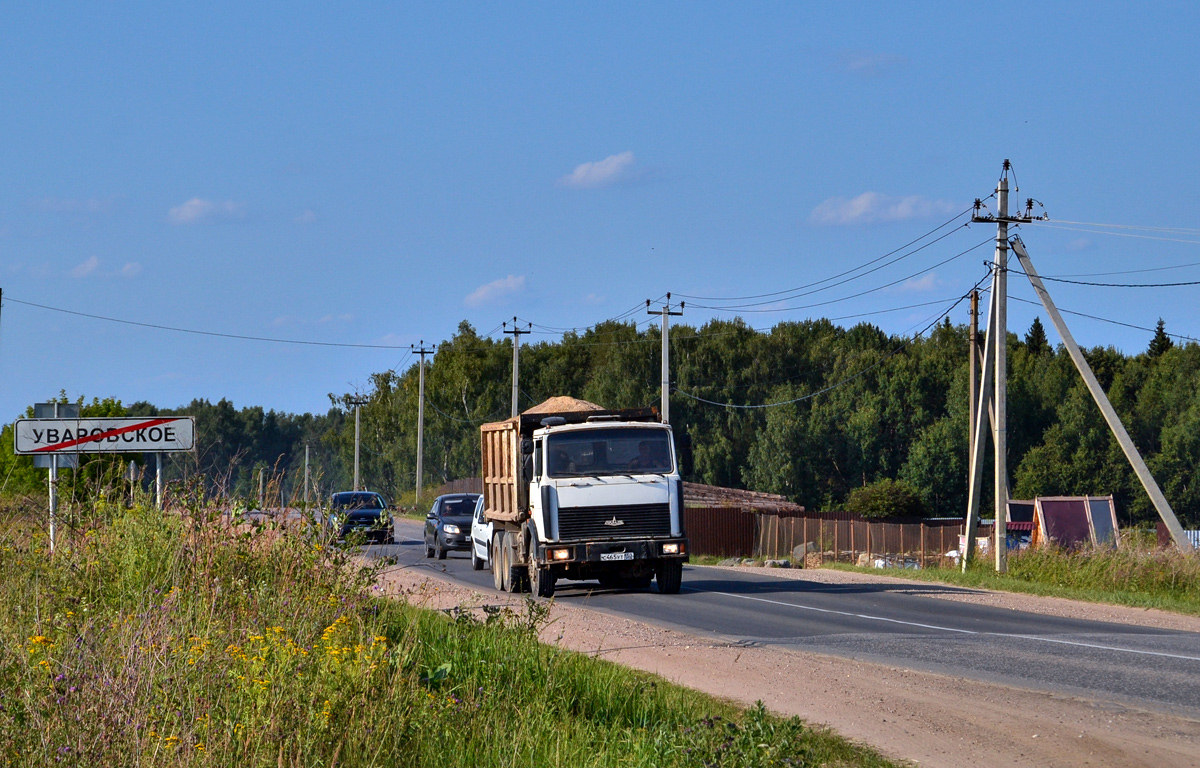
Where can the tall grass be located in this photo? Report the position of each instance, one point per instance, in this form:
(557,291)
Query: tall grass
(1137,574)
(176,639)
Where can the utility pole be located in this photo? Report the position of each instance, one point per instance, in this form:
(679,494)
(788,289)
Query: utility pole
(357,402)
(516,332)
(666,313)
(422,351)
(998,337)
(1110,415)
(973,376)
(306,477)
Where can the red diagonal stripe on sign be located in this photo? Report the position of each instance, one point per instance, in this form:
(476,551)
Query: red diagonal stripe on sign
(102,435)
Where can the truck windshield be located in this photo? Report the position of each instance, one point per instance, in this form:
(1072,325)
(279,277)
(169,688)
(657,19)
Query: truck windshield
(608,452)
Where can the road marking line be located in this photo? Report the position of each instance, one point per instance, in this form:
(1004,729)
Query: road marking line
(953,629)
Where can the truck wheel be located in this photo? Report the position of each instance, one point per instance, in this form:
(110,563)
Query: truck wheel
(515,574)
(669,575)
(541,580)
(498,563)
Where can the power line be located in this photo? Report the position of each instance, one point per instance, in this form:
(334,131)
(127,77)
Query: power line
(1109,285)
(196,332)
(1176,230)
(1107,320)
(861,293)
(834,277)
(899,348)
(1118,234)
(795,293)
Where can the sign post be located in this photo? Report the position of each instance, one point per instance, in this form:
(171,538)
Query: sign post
(60,435)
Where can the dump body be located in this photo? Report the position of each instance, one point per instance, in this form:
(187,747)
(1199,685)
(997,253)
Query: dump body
(580,495)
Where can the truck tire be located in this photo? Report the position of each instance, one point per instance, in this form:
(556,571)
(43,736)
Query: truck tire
(498,571)
(541,580)
(515,574)
(669,575)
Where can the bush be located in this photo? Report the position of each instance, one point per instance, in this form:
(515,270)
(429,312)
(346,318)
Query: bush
(886,498)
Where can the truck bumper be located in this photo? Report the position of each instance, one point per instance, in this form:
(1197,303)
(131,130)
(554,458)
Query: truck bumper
(614,551)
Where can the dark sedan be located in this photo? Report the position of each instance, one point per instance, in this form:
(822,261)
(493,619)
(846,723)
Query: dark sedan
(359,512)
(448,524)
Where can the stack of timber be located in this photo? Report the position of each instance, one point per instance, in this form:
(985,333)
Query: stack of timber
(699,495)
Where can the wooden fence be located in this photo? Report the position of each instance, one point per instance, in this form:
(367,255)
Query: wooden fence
(736,532)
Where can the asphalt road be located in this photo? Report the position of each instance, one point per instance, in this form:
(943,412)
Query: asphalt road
(1147,668)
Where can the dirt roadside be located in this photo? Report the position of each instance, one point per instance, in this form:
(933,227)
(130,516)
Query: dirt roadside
(929,719)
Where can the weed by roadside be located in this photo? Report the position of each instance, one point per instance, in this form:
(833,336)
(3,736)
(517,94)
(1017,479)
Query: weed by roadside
(176,639)
(1138,574)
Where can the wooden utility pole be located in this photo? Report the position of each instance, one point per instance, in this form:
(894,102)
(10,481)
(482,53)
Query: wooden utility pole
(973,377)
(358,403)
(666,314)
(422,351)
(516,332)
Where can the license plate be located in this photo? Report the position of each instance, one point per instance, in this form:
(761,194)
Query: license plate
(607,556)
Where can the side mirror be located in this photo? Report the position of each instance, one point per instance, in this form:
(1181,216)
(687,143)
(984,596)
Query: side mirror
(527,468)
(527,447)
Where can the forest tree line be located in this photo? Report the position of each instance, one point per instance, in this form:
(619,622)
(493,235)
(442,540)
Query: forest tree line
(896,408)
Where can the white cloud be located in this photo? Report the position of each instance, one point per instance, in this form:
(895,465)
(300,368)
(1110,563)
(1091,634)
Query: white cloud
(196,211)
(308,217)
(86,268)
(919,284)
(1079,244)
(342,318)
(593,298)
(870,207)
(601,173)
(131,269)
(870,63)
(495,290)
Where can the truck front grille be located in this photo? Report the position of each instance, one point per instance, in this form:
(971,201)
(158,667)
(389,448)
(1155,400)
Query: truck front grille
(627,521)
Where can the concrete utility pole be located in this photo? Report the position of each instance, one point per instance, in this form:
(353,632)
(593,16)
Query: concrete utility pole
(422,351)
(306,476)
(998,337)
(1114,422)
(357,402)
(516,332)
(666,313)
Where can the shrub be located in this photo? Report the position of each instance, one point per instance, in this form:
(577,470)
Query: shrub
(886,498)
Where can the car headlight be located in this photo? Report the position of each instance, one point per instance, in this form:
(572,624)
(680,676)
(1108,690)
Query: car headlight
(451,529)
(333,520)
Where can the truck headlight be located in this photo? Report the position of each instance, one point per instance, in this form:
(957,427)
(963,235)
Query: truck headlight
(672,549)
(560,554)
(451,529)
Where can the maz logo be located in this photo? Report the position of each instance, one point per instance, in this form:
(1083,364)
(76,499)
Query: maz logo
(614,522)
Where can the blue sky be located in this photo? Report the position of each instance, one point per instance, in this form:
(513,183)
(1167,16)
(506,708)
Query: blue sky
(375,174)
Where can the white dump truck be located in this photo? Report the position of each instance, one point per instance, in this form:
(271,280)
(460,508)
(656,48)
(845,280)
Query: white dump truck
(578,492)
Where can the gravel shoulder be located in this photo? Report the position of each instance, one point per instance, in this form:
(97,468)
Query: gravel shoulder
(922,717)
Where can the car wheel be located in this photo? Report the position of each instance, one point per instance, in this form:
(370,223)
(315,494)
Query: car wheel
(437,549)
(669,575)
(428,550)
(497,563)
(476,560)
(541,580)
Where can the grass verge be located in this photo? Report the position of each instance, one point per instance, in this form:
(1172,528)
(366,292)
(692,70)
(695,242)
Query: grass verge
(1136,575)
(152,639)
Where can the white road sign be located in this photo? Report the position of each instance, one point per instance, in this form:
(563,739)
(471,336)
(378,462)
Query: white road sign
(166,434)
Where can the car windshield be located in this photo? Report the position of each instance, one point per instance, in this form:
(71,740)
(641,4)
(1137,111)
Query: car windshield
(460,507)
(618,451)
(358,501)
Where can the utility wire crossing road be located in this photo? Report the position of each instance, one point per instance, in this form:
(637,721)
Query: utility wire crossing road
(1152,669)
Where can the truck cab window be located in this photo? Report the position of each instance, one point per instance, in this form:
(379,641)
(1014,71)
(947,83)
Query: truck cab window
(537,459)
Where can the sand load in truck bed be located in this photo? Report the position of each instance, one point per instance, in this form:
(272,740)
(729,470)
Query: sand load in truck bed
(564,404)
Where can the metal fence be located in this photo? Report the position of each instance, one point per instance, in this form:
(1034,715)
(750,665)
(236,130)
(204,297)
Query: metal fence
(721,531)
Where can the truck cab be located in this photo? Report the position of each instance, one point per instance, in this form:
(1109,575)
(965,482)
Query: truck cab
(597,496)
